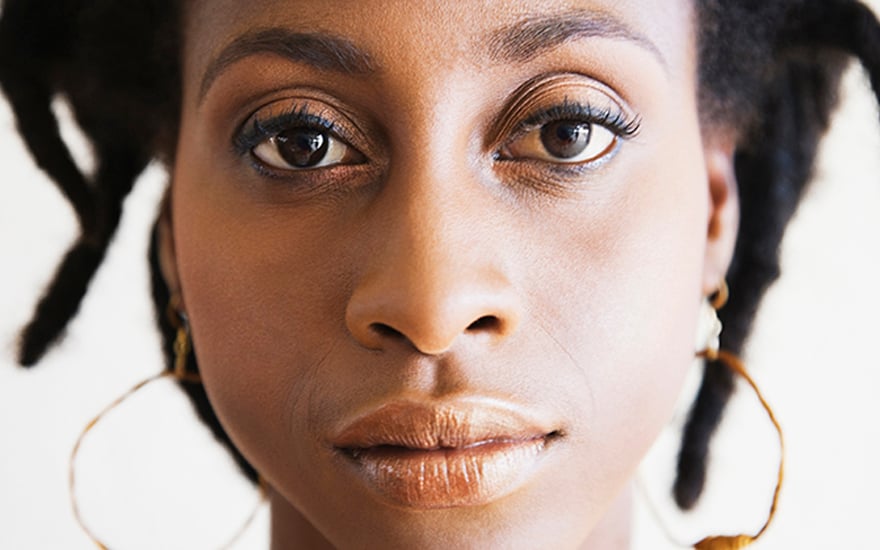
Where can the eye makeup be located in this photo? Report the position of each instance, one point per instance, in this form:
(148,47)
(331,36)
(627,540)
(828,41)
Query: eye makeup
(562,96)
(557,131)
(619,122)
(260,127)
(578,113)
(284,121)
(572,135)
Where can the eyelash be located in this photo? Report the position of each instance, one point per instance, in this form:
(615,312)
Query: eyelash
(257,131)
(615,120)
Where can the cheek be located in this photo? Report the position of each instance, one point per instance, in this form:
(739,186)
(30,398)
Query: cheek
(261,293)
(625,304)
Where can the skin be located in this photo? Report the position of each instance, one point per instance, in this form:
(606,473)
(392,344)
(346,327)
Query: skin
(314,296)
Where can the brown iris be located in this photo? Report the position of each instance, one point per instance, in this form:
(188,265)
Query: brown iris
(566,139)
(302,147)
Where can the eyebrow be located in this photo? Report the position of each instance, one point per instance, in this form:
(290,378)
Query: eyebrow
(530,37)
(517,43)
(322,51)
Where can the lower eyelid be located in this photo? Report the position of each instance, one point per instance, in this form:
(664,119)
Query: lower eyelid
(312,175)
(563,171)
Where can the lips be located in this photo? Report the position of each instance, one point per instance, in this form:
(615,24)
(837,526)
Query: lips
(461,454)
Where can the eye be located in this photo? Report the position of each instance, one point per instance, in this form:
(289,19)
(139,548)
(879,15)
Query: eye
(564,142)
(293,135)
(303,148)
(571,133)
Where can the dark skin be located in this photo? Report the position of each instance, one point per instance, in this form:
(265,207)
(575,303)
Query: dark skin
(436,247)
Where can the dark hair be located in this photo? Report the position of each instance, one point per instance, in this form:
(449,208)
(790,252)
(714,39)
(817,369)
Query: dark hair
(769,69)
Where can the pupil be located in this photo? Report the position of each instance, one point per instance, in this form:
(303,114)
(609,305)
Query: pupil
(302,147)
(566,139)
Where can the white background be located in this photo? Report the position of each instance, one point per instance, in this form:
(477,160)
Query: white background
(148,478)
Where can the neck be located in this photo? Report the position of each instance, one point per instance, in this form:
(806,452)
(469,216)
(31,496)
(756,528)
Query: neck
(290,529)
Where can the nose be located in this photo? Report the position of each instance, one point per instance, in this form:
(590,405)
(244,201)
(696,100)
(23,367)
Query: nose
(436,272)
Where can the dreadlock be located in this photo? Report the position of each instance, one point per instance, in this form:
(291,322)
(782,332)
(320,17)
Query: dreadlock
(112,75)
(769,69)
(788,103)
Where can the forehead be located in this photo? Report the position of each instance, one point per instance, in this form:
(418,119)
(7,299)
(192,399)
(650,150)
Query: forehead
(443,33)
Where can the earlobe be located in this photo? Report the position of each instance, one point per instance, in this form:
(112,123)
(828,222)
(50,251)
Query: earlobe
(723,220)
(167,254)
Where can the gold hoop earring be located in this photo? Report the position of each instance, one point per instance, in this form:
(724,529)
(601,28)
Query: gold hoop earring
(182,349)
(735,364)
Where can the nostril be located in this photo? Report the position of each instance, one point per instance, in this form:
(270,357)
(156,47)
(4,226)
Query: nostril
(430,339)
(386,331)
(488,323)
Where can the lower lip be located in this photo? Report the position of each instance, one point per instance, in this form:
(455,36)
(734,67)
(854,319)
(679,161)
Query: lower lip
(447,478)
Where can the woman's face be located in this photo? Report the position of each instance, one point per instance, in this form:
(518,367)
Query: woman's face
(443,260)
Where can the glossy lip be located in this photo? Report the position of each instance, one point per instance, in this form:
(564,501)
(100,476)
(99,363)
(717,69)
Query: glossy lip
(443,456)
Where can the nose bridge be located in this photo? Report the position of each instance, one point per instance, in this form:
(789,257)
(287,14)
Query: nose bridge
(433,274)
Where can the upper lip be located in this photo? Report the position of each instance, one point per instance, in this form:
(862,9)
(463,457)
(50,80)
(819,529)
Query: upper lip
(424,426)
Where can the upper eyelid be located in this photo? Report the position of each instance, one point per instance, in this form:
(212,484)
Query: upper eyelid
(547,91)
(616,120)
(246,135)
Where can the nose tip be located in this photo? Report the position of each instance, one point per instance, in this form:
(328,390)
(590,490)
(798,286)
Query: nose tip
(432,320)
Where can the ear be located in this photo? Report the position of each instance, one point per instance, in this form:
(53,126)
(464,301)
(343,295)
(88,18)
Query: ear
(167,255)
(723,220)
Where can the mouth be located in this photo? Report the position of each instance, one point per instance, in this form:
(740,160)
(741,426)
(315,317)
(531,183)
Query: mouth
(430,457)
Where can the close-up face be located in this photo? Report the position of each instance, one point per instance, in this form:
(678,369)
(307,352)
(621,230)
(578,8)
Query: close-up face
(443,262)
